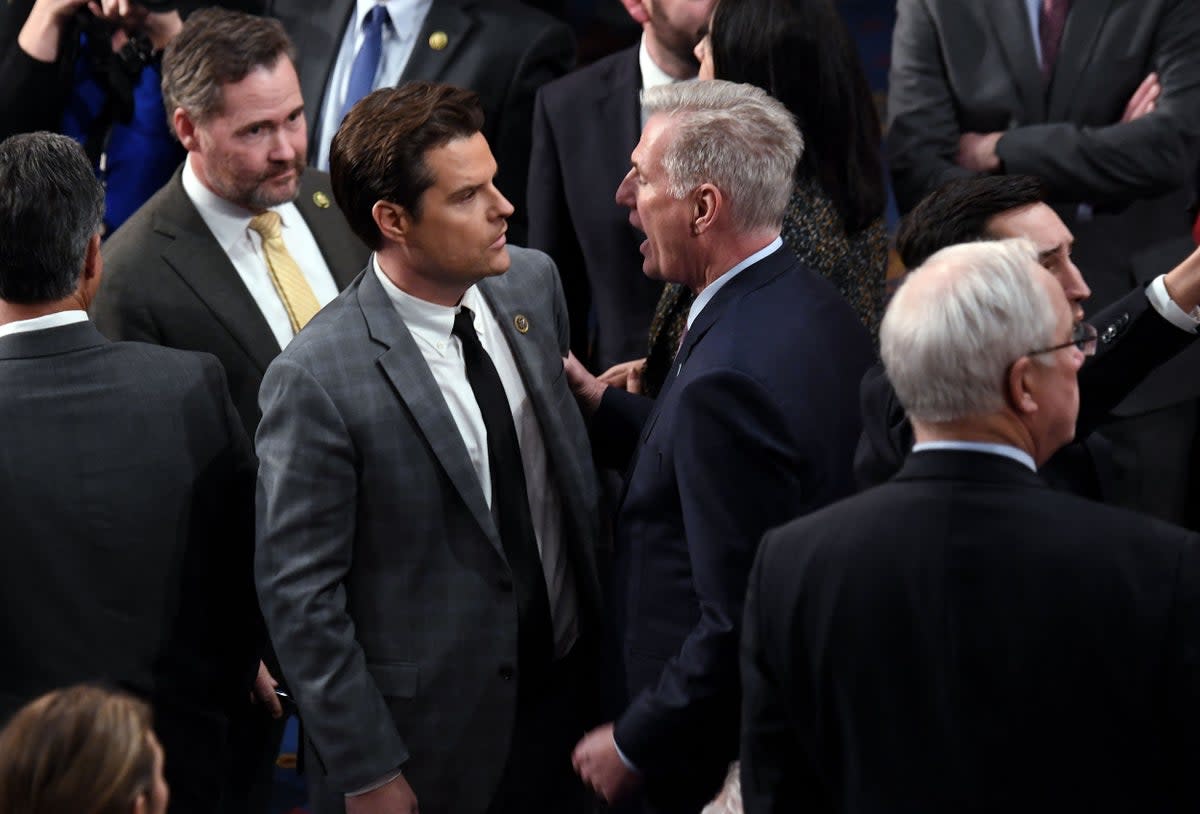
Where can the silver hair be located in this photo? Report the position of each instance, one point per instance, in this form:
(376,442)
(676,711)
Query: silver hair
(959,321)
(736,137)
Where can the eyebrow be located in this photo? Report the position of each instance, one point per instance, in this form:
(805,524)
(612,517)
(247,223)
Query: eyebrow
(269,122)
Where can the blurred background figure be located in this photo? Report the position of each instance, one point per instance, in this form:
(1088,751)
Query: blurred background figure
(82,750)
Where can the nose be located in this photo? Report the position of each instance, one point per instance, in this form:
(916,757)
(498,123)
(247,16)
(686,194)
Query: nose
(282,148)
(504,207)
(625,190)
(1075,288)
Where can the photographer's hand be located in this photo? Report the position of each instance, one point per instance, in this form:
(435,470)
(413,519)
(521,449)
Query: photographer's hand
(42,32)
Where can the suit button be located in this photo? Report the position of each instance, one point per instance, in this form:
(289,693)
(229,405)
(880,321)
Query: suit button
(506,672)
(1124,320)
(1109,334)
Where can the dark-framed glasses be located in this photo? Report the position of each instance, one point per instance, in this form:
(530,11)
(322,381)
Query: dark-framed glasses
(1083,337)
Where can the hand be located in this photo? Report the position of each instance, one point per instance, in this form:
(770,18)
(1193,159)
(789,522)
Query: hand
(587,388)
(637,10)
(160,26)
(40,35)
(393,797)
(599,766)
(1183,282)
(1143,100)
(625,376)
(264,691)
(977,152)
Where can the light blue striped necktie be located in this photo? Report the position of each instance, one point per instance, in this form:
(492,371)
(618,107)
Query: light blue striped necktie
(366,61)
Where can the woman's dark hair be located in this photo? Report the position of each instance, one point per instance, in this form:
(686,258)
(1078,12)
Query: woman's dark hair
(800,52)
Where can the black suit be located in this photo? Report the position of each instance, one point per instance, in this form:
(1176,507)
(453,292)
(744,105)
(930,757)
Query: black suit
(128,535)
(501,49)
(965,639)
(168,282)
(1133,340)
(585,126)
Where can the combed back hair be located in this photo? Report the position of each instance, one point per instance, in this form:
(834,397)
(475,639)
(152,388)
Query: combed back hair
(50,207)
(378,154)
(83,750)
(215,48)
(733,136)
(800,52)
(959,321)
(959,211)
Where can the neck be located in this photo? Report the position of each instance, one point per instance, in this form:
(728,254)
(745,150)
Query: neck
(669,63)
(416,284)
(995,428)
(728,251)
(16,312)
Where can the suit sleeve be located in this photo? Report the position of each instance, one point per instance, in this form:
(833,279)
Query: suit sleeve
(739,472)
(1144,158)
(923,131)
(616,426)
(887,435)
(549,55)
(307,487)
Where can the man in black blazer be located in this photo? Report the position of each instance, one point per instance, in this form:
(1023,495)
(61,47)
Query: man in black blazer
(963,638)
(1141,331)
(189,270)
(124,488)
(584,127)
(755,425)
(501,49)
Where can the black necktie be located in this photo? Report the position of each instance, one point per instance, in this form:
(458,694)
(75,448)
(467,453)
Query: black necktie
(510,501)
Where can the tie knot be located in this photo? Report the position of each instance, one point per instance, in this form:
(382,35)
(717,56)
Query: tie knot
(266,224)
(376,18)
(464,324)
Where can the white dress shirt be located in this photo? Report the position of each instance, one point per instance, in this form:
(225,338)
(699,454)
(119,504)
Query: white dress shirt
(431,325)
(230,225)
(1003,450)
(399,39)
(55,320)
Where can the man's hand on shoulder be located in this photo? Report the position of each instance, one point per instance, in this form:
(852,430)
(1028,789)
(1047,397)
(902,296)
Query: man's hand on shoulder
(393,797)
(588,390)
(601,768)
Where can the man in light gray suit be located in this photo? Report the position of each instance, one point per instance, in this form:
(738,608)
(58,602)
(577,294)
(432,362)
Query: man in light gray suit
(426,504)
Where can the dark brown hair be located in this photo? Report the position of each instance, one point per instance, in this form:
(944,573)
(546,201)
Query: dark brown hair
(378,154)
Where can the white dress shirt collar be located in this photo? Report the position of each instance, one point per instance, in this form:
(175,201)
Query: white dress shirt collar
(428,322)
(1003,450)
(705,296)
(55,320)
(227,221)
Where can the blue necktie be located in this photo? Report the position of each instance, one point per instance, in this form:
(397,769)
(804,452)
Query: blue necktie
(366,61)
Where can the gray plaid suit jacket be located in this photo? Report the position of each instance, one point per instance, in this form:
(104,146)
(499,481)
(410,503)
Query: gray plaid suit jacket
(379,566)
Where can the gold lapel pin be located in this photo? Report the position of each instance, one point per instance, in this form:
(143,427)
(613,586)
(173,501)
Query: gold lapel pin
(321,199)
(521,322)
(438,40)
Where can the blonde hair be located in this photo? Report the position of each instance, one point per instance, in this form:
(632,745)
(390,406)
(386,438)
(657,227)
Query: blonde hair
(82,750)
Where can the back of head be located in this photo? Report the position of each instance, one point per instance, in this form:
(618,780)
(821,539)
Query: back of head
(378,154)
(50,207)
(959,211)
(82,750)
(215,48)
(735,137)
(800,52)
(958,322)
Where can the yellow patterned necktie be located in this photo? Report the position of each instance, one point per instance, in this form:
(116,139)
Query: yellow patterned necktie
(293,288)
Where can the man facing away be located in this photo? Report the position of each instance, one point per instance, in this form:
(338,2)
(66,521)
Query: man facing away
(426,505)
(125,488)
(755,425)
(963,638)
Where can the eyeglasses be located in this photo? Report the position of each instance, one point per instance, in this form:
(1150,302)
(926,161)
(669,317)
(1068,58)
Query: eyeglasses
(1083,337)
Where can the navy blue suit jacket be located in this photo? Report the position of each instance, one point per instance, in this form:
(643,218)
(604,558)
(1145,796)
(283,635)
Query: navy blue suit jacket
(756,425)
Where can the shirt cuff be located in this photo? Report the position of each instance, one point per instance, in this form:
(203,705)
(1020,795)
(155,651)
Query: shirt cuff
(378,784)
(1156,292)
(628,763)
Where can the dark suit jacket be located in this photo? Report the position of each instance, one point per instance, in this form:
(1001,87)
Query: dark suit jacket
(1133,340)
(585,126)
(970,65)
(965,639)
(380,568)
(501,49)
(758,428)
(126,556)
(168,282)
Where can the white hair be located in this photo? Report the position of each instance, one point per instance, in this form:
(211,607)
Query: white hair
(736,137)
(959,321)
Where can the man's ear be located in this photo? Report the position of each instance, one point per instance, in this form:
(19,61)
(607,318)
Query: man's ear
(707,201)
(392,220)
(185,129)
(93,267)
(1020,386)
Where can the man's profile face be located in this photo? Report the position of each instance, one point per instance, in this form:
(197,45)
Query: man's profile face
(1053,425)
(252,152)
(459,238)
(653,210)
(1053,240)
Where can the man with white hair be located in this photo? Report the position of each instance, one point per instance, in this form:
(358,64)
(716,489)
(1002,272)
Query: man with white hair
(755,424)
(963,638)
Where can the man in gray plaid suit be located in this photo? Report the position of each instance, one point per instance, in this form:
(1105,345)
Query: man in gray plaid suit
(426,505)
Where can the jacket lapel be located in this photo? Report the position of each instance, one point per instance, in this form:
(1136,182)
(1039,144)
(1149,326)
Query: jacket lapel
(1075,54)
(1010,21)
(426,62)
(196,257)
(405,367)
